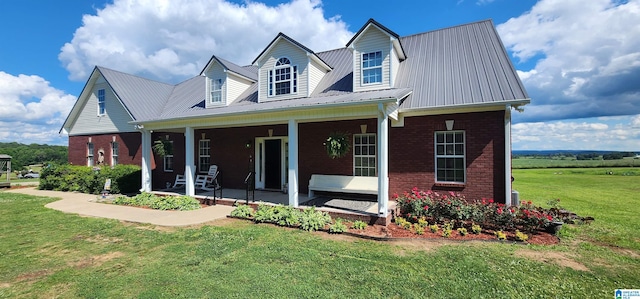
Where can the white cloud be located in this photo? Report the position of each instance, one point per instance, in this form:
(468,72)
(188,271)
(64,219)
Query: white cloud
(613,133)
(31,98)
(172,40)
(587,57)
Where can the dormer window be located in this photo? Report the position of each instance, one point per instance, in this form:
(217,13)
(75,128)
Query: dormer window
(372,67)
(216,91)
(283,79)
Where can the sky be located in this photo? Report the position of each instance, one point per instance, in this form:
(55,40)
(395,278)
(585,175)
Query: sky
(579,60)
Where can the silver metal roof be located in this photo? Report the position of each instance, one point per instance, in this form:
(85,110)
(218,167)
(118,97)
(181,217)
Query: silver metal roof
(457,66)
(143,98)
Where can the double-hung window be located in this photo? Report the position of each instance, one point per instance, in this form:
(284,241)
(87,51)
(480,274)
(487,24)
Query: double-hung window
(216,91)
(364,154)
(450,156)
(204,155)
(372,67)
(102,110)
(90,154)
(168,158)
(115,148)
(283,79)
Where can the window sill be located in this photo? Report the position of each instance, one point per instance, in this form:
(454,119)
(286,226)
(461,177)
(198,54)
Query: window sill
(450,184)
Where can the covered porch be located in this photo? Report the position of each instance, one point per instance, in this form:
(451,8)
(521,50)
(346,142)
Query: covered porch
(283,149)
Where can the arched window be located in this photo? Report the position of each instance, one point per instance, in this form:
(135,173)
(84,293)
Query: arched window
(283,79)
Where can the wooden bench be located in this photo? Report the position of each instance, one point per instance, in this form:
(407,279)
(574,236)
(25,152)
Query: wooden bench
(343,184)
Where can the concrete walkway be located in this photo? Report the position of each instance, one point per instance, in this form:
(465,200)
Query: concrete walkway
(79,203)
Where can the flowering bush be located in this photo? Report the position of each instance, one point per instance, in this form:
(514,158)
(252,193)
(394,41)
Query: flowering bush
(453,207)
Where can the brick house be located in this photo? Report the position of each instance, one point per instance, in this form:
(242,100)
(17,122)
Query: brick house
(430,110)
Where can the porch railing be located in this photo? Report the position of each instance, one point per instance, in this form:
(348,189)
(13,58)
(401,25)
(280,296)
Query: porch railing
(250,186)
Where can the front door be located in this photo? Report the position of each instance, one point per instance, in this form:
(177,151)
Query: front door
(273,164)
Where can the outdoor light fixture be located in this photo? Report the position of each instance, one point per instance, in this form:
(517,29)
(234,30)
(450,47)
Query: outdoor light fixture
(248,144)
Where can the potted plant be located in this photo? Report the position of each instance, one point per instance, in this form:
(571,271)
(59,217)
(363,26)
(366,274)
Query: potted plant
(337,145)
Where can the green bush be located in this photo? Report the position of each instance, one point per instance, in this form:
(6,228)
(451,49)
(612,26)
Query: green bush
(359,224)
(242,211)
(337,227)
(144,199)
(65,177)
(312,220)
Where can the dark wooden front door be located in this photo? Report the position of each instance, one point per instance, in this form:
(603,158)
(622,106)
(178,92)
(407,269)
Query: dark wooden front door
(273,164)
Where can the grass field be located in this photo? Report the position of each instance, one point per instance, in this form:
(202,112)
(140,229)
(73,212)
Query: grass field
(556,162)
(45,253)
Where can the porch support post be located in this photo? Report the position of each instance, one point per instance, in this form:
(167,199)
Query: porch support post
(507,156)
(189,167)
(146,161)
(293,163)
(383,161)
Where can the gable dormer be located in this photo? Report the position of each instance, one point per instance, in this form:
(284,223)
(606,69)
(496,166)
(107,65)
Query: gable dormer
(226,81)
(288,70)
(377,53)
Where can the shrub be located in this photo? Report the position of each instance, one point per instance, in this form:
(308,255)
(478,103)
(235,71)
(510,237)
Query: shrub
(422,222)
(359,224)
(419,230)
(265,213)
(242,211)
(337,227)
(144,199)
(434,228)
(443,208)
(501,235)
(462,231)
(520,236)
(476,229)
(312,220)
(65,177)
(447,229)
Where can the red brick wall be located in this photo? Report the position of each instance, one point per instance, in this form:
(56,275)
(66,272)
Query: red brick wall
(411,154)
(128,144)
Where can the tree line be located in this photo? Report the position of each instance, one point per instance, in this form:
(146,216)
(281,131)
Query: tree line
(23,155)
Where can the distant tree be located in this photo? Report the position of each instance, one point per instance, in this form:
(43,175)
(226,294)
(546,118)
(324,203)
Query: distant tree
(613,156)
(23,155)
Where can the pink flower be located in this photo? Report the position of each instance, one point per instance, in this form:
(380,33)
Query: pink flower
(499,211)
(491,200)
(426,208)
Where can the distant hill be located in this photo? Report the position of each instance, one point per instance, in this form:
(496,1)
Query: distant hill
(23,155)
(562,152)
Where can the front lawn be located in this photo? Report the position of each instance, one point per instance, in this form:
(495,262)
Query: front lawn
(45,253)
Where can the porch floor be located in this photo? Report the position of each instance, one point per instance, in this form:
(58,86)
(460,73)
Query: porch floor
(329,203)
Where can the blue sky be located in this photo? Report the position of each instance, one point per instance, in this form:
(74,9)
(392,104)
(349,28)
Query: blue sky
(579,60)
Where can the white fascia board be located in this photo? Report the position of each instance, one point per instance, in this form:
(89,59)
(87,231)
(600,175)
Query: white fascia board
(463,108)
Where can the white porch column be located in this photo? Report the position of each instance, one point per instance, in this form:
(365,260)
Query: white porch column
(507,155)
(146,161)
(189,167)
(293,163)
(383,161)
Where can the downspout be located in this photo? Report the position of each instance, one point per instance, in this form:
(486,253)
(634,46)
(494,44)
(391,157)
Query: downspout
(507,155)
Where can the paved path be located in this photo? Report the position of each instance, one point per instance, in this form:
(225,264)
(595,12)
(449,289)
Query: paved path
(79,203)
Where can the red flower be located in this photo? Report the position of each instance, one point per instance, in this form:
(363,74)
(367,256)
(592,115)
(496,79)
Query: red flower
(549,217)
(499,211)
(491,200)
(426,208)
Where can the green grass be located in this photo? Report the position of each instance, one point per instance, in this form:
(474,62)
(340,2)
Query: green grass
(556,162)
(45,253)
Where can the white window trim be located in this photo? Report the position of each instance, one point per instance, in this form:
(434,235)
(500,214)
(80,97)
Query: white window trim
(463,156)
(362,69)
(166,158)
(200,155)
(90,150)
(212,90)
(102,104)
(115,152)
(271,84)
(369,155)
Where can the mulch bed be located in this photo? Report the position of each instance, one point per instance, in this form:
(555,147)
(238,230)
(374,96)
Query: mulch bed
(394,231)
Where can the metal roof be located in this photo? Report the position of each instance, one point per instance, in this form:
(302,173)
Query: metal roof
(464,65)
(232,67)
(143,98)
